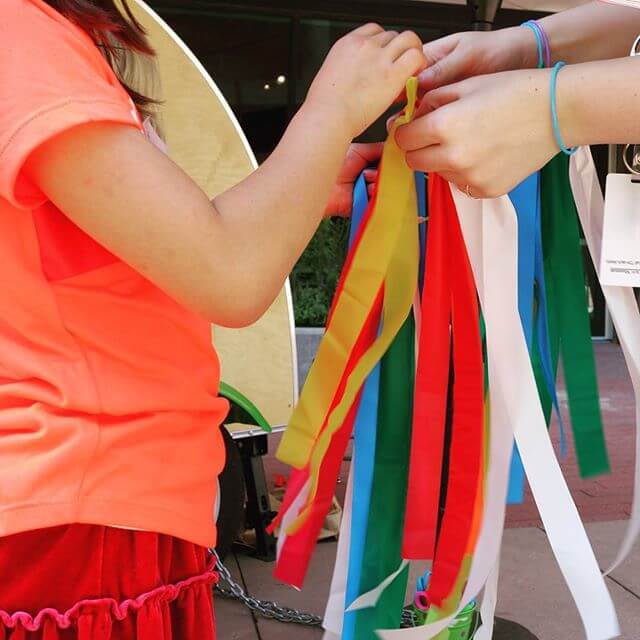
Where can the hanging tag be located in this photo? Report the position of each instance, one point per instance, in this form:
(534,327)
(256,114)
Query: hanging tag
(620,258)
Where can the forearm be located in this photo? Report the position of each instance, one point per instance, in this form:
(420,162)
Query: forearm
(270,217)
(595,31)
(599,103)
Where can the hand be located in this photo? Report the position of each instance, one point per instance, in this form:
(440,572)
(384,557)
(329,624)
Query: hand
(359,157)
(363,74)
(484,134)
(464,55)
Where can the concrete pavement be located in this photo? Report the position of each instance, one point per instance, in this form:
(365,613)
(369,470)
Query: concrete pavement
(532,591)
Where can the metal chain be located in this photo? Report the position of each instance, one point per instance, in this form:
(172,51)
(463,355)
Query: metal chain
(273,610)
(262,608)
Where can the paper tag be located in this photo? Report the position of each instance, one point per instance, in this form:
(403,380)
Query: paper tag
(620,258)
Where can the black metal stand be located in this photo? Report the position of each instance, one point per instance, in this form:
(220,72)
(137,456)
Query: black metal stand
(259,513)
(508,630)
(483,13)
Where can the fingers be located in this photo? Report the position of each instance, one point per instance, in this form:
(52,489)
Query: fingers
(385,37)
(371,175)
(410,62)
(450,68)
(436,99)
(438,49)
(437,54)
(423,132)
(368,30)
(429,159)
(430,102)
(369,152)
(402,43)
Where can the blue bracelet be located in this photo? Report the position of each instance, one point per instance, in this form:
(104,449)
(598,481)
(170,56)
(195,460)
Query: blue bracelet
(530,24)
(554,111)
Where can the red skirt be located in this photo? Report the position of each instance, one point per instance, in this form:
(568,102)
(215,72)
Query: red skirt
(86,582)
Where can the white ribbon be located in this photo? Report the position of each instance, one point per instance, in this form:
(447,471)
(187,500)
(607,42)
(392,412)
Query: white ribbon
(290,516)
(370,598)
(334,613)
(622,306)
(501,441)
(488,607)
(515,407)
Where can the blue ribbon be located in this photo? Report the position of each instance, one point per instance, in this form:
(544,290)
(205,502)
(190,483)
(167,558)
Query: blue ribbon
(365,430)
(526,201)
(366,422)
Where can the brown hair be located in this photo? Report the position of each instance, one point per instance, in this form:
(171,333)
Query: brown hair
(116,32)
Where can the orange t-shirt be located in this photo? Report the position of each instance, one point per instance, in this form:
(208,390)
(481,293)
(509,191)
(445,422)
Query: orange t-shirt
(109,410)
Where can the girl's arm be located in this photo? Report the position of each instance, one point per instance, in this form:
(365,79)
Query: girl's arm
(227,259)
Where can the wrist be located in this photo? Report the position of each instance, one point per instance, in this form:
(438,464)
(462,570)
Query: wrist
(567,107)
(332,115)
(522,47)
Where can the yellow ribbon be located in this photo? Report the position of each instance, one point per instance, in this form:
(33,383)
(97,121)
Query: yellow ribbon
(388,255)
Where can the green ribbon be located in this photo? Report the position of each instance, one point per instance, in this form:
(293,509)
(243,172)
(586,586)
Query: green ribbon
(382,549)
(569,326)
(545,397)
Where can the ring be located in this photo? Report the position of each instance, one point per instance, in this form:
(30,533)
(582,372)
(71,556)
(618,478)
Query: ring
(467,191)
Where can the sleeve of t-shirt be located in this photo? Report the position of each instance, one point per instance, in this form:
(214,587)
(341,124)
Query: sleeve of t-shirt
(52,79)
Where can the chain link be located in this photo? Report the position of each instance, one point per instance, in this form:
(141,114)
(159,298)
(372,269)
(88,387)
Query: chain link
(274,611)
(263,608)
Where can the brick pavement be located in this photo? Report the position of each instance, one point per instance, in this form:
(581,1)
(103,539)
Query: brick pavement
(605,498)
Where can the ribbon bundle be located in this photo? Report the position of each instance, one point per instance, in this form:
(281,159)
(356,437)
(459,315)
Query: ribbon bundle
(434,398)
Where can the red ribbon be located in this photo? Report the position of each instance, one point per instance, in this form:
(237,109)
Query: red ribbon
(450,320)
(430,400)
(466,452)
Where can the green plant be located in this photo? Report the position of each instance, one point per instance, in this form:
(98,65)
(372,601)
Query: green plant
(315,277)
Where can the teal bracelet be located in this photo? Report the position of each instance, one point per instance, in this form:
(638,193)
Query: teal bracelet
(530,24)
(554,111)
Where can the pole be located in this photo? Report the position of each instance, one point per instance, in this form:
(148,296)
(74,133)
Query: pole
(483,13)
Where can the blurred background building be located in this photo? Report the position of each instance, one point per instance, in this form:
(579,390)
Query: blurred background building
(263,54)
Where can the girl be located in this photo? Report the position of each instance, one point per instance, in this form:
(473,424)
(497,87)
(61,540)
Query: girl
(486,121)
(114,265)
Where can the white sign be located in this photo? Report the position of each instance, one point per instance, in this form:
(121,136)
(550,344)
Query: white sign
(620,258)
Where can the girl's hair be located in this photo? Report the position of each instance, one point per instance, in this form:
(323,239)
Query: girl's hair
(115,30)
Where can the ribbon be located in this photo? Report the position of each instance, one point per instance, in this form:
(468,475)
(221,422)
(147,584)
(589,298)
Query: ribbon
(569,316)
(395,205)
(490,233)
(430,403)
(334,612)
(364,446)
(295,554)
(374,292)
(525,201)
(532,307)
(375,263)
(382,556)
(466,452)
(545,357)
(622,306)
